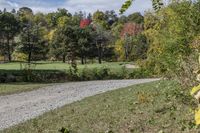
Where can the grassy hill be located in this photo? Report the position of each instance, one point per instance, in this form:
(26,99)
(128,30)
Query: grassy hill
(150,108)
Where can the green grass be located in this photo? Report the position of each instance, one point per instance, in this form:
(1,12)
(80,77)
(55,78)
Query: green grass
(151,108)
(61,66)
(11,88)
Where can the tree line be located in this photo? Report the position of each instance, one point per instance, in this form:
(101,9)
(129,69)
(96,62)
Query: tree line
(61,35)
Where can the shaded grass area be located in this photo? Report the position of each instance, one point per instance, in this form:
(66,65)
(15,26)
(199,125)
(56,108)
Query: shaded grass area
(61,66)
(11,88)
(153,107)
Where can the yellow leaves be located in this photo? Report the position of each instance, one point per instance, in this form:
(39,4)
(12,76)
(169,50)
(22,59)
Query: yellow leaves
(195,93)
(197,117)
(50,35)
(17,56)
(63,21)
(195,90)
(119,48)
(1,58)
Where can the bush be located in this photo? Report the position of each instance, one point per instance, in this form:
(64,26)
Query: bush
(140,73)
(16,56)
(104,73)
(73,75)
(88,74)
(32,76)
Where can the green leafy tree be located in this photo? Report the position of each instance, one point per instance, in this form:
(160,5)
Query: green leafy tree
(136,18)
(99,18)
(53,18)
(84,43)
(9,26)
(32,36)
(169,33)
(102,38)
(59,46)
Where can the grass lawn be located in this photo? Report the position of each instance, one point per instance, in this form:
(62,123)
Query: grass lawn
(150,108)
(61,66)
(12,88)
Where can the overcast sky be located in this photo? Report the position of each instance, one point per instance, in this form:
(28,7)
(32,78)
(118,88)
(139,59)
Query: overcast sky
(75,5)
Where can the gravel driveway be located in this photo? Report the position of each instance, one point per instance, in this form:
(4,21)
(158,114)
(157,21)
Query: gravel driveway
(18,108)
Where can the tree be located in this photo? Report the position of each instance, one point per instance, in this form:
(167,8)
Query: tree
(85,23)
(140,47)
(77,17)
(53,18)
(24,11)
(9,28)
(32,41)
(111,17)
(99,18)
(129,31)
(84,39)
(102,37)
(85,42)
(59,46)
(169,33)
(136,18)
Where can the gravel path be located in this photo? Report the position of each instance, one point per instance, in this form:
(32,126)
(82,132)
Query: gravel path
(18,108)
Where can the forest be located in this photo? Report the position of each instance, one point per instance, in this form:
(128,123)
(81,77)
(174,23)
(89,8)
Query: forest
(63,36)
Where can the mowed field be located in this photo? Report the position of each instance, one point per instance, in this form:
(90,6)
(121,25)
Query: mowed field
(61,66)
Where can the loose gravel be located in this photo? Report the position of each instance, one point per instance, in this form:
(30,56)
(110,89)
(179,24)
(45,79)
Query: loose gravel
(18,108)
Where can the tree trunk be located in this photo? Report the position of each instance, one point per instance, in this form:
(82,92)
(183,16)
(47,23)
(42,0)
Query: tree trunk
(85,60)
(29,47)
(64,58)
(126,52)
(8,48)
(82,60)
(29,57)
(100,54)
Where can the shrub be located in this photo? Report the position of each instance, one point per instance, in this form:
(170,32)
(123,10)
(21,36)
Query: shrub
(32,76)
(140,73)
(16,56)
(72,74)
(103,73)
(88,74)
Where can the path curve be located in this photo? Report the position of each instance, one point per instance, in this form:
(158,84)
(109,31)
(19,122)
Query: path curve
(18,108)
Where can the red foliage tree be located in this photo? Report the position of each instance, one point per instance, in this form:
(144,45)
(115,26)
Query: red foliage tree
(131,29)
(85,22)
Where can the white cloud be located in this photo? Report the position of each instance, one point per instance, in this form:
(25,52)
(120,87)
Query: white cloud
(75,5)
(93,5)
(12,4)
(4,4)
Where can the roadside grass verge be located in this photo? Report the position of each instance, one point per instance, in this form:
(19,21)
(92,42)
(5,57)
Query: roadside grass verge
(154,107)
(12,88)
